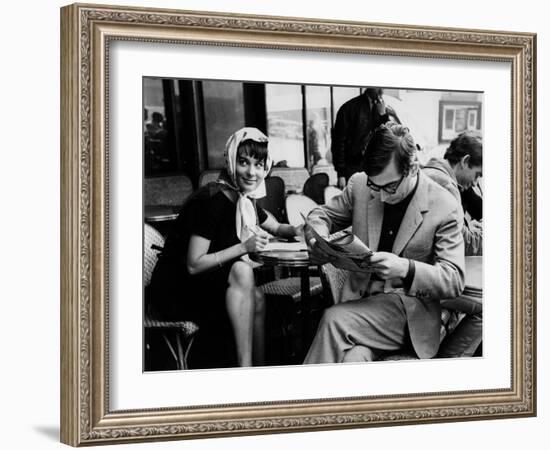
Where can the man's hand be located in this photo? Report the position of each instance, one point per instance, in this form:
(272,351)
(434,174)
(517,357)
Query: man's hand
(341,182)
(299,232)
(387,265)
(317,255)
(380,105)
(476,226)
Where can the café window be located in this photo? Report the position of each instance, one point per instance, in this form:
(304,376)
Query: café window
(158,154)
(319,122)
(285,124)
(223,114)
(187,122)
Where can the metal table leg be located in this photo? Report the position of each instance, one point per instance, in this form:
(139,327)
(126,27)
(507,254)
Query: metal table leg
(306,307)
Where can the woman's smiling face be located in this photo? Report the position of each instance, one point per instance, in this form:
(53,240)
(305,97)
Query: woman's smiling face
(250,172)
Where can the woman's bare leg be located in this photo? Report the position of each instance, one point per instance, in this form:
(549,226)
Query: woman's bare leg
(240,299)
(258,349)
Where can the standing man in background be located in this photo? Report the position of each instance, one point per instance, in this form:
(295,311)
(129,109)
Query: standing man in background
(355,122)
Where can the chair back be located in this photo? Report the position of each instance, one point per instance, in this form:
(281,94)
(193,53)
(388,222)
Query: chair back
(315,186)
(167,191)
(208,176)
(151,237)
(296,205)
(294,178)
(333,280)
(274,201)
(329,170)
(330,192)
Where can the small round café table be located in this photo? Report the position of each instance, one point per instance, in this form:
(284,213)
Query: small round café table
(296,259)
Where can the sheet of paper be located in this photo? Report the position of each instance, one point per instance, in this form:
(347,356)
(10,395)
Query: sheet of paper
(285,246)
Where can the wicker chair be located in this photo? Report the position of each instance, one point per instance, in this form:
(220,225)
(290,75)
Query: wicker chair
(178,336)
(294,177)
(284,294)
(167,191)
(296,206)
(208,176)
(333,279)
(284,310)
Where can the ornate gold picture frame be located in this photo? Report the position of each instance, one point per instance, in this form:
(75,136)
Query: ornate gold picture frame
(87,32)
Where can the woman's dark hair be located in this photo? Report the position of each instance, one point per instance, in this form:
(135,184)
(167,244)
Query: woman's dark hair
(253,149)
(388,141)
(466,143)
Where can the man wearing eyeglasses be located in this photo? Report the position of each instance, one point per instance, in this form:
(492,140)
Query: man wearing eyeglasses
(414,227)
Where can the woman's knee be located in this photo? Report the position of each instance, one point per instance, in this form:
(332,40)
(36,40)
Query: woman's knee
(241,274)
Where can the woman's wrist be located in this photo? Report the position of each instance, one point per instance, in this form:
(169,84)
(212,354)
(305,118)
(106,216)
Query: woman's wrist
(287,231)
(242,248)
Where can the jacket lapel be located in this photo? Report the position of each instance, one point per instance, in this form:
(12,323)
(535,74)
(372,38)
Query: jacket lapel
(360,192)
(413,216)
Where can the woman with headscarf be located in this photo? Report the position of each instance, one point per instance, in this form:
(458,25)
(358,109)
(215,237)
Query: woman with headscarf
(204,273)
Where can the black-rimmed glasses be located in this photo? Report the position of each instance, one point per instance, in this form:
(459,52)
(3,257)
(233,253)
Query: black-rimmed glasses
(389,188)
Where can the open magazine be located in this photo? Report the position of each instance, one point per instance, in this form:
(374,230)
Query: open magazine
(349,252)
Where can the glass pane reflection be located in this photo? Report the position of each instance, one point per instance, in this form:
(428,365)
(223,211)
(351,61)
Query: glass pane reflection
(223,115)
(318,124)
(285,124)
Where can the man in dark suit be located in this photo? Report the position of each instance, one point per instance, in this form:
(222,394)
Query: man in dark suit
(414,226)
(355,121)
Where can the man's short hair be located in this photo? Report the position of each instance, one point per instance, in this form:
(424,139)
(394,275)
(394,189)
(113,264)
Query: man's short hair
(390,140)
(466,143)
(374,92)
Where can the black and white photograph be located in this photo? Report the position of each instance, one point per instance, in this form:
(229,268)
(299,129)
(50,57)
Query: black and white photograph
(282,224)
(288,224)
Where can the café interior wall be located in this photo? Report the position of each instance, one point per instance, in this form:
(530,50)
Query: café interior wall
(419,111)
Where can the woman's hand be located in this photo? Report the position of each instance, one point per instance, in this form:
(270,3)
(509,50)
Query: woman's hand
(255,243)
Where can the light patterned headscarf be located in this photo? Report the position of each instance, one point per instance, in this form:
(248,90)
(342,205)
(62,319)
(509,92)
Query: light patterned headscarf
(246,220)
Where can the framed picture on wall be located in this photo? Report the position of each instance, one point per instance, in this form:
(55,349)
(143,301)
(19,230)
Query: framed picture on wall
(458,116)
(146,98)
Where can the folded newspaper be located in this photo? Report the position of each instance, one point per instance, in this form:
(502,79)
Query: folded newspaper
(349,252)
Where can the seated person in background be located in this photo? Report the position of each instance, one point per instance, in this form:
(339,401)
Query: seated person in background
(414,227)
(458,172)
(204,274)
(472,201)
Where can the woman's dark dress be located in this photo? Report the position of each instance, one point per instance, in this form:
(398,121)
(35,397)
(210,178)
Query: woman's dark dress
(176,295)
